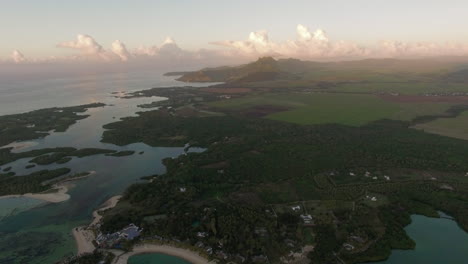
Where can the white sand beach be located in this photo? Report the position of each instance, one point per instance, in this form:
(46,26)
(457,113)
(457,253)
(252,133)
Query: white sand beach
(106,205)
(83,235)
(84,239)
(188,255)
(59,196)
(17,146)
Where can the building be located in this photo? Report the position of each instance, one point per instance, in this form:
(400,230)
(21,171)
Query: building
(348,247)
(130,232)
(307,219)
(296,208)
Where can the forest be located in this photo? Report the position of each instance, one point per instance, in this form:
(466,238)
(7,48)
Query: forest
(251,166)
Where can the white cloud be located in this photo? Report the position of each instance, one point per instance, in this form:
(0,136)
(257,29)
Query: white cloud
(120,50)
(170,48)
(17,56)
(303,33)
(306,45)
(85,44)
(317,46)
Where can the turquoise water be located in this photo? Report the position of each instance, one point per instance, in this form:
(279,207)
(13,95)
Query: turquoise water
(438,240)
(155,259)
(34,232)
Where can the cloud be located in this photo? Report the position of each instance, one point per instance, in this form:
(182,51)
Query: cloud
(305,35)
(85,44)
(305,45)
(146,51)
(169,48)
(17,56)
(120,50)
(318,46)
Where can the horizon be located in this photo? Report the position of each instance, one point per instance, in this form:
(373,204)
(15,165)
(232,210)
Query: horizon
(124,33)
(208,131)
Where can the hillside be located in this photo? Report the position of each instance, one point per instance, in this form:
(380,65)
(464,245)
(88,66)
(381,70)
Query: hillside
(267,69)
(263,69)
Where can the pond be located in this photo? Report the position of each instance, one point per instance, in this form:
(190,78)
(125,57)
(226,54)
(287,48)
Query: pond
(438,240)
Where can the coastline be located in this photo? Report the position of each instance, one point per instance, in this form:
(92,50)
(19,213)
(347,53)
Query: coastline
(185,254)
(83,235)
(110,203)
(17,146)
(61,195)
(57,197)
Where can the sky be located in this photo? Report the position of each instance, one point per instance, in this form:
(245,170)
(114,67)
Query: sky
(212,30)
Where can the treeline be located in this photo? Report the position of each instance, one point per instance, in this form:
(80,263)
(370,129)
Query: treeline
(58,155)
(31,183)
(37,124)
(225,191)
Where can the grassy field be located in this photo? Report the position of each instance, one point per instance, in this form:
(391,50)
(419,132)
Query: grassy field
(452,127)
(322,108)
(402,87)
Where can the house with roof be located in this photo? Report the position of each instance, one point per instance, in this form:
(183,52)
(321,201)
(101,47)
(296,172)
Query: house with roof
(296,208)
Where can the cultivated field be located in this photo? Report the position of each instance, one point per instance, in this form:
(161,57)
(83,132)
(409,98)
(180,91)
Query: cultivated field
(452,127)
(324,108)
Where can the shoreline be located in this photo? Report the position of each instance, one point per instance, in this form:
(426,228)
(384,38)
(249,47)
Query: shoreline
(83,235)
(182,253)
(21,145)
(61,195)
(110,203)
(56,197)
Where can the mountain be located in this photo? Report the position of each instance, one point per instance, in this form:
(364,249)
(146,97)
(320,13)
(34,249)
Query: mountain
(267,69)
(264,69)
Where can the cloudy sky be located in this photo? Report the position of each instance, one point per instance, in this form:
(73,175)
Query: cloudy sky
(211,31)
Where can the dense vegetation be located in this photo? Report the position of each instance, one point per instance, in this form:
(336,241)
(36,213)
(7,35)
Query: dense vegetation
(365,76)
(46,156)
(241,189)
(122,153)
(37,124)
(354,165)
(31,183)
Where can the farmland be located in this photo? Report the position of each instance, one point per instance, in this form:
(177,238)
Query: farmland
(291,161)
(456,127)
(327,108)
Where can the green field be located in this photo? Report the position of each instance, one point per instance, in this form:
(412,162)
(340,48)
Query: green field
(452,127)
(402,87)
(323,108)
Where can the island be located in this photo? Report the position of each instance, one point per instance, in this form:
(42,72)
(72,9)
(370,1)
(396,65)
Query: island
(39,123)
(303,161)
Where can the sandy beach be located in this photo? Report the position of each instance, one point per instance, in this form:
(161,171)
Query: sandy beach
(188,255)
(59,196)
(54,197)
(83,235)
(17,146)
(84,239)
(106,205)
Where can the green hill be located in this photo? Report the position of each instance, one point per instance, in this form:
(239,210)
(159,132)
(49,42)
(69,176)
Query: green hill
(303,73)
(263,69)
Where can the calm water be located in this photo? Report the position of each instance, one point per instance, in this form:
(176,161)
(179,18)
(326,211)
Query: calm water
(34,232)
(155,259)
(438,240)
(22,95)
